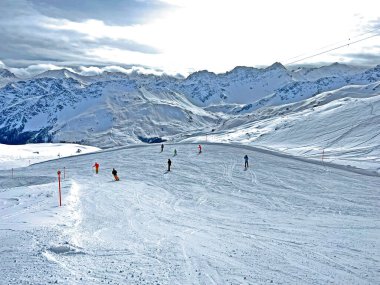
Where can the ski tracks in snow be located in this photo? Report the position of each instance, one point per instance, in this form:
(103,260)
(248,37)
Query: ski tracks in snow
(206,222)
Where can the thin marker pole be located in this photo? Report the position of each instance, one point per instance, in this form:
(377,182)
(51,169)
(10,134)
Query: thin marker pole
(59,187)
(323,154)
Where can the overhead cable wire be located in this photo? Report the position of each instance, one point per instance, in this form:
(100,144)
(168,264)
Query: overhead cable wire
(335,48)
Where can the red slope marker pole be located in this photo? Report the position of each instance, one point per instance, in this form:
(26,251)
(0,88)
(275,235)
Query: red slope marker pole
(59,187)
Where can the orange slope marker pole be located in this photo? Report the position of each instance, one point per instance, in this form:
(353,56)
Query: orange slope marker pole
(59,187)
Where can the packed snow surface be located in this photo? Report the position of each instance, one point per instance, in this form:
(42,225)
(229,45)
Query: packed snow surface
(12,156)
(208,221)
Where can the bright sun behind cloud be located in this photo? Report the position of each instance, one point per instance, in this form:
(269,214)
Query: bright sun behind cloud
(219,35)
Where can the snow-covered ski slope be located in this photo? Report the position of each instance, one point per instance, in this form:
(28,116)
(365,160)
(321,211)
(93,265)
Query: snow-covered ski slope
(340,125)
(12,156)
(283,221)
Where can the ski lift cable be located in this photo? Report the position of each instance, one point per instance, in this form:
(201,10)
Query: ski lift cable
(333,44)
(335,48)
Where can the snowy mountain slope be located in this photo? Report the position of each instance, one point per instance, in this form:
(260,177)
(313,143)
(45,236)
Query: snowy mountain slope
(29,108)
(6,77)
(344,124)
(99,110)
(62,74)
(273,85)
(333,70)
(241,85)
(104,114)
(300,90)
(136,116)
(208,221)
(84,79)
(5,73)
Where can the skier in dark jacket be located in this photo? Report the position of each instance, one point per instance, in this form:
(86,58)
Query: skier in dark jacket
(162,147)
(114,173)
(169,164)
(245,161)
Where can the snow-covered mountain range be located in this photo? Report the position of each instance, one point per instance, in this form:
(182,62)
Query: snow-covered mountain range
(116,108)
(6,77)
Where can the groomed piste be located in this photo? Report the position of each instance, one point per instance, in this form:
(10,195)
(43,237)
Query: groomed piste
(207,221)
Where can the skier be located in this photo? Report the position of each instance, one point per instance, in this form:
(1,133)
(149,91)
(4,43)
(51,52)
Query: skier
(96,165)
(169,164)
(245,161)
(200,148)
(114,173)
(175,152)
(162,147)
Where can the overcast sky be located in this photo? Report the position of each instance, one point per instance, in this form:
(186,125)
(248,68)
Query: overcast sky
(184,36)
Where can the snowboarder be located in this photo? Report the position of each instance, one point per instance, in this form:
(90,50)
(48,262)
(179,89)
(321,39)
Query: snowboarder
(169,164)
(200,148)
(245,161)
(96,165)
(162,147)
(175,152)
(114,173)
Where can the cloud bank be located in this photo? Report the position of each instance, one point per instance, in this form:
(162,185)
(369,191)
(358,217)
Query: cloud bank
(32,33)
(33,70)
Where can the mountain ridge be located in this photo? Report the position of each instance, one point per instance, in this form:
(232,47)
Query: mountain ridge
(116,108)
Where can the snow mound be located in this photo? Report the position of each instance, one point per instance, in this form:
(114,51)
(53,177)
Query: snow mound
(65,249)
